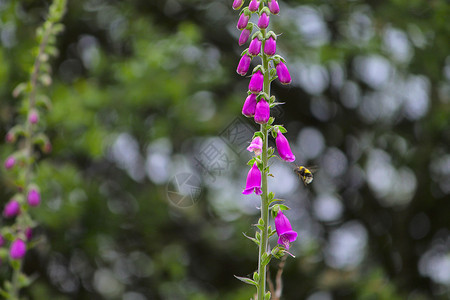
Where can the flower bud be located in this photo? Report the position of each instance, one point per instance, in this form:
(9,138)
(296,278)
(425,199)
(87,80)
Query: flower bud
(249,107)
(10,137)
(12,209)
(47,147)
(255,47)
(29,233)
(284,150)
(256,146)
(237,4)
(262,111)
(34,198)
(2,240)
(263,21)
(10,162)
(273,7)
(256,82)
(253,6)
(243,65)
(33,117)
(243,38)
(18,249)
(270,47)
(283,73)
(243,21)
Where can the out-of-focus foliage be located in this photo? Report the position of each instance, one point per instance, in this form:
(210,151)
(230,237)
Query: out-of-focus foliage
(140,87)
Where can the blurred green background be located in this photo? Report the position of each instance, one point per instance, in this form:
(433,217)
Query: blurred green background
(141,194)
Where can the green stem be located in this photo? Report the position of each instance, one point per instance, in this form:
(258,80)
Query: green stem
(14,294)
(264,196)
(29,153)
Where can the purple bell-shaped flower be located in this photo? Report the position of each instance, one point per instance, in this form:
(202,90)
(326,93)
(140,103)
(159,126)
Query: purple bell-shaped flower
(284,230)
(253,181)
(283,148)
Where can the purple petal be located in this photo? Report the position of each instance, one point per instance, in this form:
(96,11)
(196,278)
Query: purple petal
(284,150)
(253,181)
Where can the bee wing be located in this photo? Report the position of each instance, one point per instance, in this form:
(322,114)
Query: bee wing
(313,169)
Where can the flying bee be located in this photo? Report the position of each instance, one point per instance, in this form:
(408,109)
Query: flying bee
(305,174)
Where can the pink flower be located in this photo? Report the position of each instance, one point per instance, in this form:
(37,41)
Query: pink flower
(256,82)
(245,34)
(47,147)
(12,209)
(249,107)
(18,249)
(237,4)
(253,181)
(284,230)
(263,21)
(33,117)
(273,7)
(243,21)
(243,65)
(283,73)
(255,47)
(10,162)
(34,198)
(253,6)
(270,47)
(10,137)
(262,112)
(29,233)
(256,146)
(283,148)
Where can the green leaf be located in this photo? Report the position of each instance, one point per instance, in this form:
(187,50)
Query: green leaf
(283,207)
(19,89)
(15,264)
(261,222)
(252,239)
(275,200)
(270,196)
(272,232)
(4,294)
(265,259)
(274,134)
(256,276)
(282,129)
(267,296)
(247,280)
(258,133)
(24,281)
